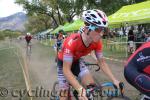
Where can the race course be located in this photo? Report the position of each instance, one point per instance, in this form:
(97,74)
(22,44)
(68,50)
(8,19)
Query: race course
(40,71)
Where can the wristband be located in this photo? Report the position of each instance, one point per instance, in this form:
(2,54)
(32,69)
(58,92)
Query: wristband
(80,90)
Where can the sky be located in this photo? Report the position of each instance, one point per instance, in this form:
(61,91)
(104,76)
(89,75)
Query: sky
(8,7)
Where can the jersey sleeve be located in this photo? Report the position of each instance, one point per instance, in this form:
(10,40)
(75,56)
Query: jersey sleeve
(98,50)
(68,51)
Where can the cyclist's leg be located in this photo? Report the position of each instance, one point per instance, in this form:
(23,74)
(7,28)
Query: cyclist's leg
(137,79)
(85,75)
(63,84)
(30,45)
(27,44)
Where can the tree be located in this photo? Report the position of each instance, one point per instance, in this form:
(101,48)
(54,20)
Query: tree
(135,1)
(60,11)
(70,8)
(38,7)
(38,22)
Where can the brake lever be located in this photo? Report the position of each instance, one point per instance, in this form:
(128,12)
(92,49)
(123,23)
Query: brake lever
(97,69)
(121,85)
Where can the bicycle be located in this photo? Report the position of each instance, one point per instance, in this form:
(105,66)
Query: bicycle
(28,49)
(93,92)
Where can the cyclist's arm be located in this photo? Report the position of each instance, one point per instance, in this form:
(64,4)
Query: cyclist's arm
(69,75)
(103,64)
(67,64)
(93,55)
(105,68)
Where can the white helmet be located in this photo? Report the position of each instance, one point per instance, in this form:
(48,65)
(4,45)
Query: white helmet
(28,33)
(95,17)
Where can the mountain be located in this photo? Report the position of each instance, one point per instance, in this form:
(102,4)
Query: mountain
(13,22)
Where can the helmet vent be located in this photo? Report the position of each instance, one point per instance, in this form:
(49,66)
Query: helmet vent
(88,11)
(88,18)
(93,15)
(104,22)
(100,15)
(98,22)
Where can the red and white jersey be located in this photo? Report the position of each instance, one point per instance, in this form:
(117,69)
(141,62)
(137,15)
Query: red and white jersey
(73,48)
(28,37)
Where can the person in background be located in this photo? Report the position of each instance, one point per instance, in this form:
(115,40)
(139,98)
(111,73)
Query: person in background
(131,39)
(148,38)
(58,43)
(28,38)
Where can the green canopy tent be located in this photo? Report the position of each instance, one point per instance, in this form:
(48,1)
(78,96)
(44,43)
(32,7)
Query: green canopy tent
(45,32)
(74,26)
(132,14)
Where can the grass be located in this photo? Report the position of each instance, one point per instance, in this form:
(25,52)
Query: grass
(116,49)
(48,42)
(11,75)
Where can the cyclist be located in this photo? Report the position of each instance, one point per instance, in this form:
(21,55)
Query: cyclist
(59,40)
(137,70)
(77,45)
(28,38)
(131,39)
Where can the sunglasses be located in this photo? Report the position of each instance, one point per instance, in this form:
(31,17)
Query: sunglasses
(97,29)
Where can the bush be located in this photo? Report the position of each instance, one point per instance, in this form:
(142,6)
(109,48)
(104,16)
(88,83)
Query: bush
(2,36)
(11,34)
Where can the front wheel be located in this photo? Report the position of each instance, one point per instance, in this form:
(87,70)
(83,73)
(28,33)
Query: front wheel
(54,93)
(118,98)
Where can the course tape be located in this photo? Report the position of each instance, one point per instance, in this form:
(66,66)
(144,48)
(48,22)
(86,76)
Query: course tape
(113,59)
(7,48)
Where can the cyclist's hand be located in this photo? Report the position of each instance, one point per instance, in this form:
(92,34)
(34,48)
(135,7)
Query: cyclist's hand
(82,94)
(116,82)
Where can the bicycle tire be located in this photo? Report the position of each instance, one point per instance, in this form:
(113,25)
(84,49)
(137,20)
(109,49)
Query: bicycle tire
(118,98)
(54,95)
(28,51)
(114,97)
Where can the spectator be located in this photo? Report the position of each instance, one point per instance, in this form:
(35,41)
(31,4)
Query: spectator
(131,40)
(140,39)
(59,40)
(148,38)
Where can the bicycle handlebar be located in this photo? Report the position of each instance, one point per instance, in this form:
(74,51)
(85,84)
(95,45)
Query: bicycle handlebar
(100,87)
(121,87)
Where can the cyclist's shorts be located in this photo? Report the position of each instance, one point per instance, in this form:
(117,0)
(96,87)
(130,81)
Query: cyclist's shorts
(79,69)
(28,42)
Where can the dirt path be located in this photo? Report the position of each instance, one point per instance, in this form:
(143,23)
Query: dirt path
(42,70)
(117,69)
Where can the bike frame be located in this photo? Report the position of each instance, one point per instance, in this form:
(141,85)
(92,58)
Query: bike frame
(29,45)
(119,93)
(98,87)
